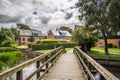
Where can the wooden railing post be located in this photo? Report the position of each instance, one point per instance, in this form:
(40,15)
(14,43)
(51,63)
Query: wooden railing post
(47,65)
(37,65)
(19,75)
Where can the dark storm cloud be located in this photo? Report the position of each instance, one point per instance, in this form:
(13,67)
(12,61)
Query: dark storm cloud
(8,19)
(45,20)
(68,15)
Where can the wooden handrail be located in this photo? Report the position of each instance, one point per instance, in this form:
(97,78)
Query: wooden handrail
(19,67)
(104,72)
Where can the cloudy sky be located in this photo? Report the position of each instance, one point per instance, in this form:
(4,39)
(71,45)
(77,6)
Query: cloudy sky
(39,14)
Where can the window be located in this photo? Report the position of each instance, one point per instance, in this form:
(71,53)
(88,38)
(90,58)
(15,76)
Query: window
(23,39)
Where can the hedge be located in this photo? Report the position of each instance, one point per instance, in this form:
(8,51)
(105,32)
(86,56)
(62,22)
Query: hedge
(51,45)
(50,41)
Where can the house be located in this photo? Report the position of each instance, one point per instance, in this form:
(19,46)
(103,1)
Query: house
(58,34)
(25,35)
(113,41)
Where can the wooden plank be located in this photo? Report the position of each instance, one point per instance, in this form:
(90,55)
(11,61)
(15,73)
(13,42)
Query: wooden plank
(66,68)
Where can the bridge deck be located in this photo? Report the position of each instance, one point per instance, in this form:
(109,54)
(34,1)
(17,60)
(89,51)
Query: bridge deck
(66,68)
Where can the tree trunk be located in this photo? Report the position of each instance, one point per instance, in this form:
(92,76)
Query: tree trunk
(106,45)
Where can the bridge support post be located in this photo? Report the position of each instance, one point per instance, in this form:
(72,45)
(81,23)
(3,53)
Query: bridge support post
(19,75)
(38,65)
(47,65)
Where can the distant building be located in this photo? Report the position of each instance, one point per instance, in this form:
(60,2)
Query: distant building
(77,27)
(58,34)
(25,35)
(113,41)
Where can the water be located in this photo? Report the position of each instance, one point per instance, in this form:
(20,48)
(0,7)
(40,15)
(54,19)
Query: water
(114,70)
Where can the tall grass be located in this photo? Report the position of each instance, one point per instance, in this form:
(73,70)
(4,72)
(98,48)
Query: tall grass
(9,57)
(7,49)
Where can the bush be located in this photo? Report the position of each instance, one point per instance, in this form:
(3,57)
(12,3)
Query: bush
(110,46)
(50,41)
(7,49)
(51,45)
(10,58)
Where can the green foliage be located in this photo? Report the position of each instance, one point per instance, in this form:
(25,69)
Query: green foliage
(10,58)
(38,41)
(100,15)
(50,41)
(6,37)
(93,40)
(8,33)
(66,29)
(23,26)
(114,14)
(15,32)
(7,42)
(7,49)
(51,45)
(78,36)
(15,44)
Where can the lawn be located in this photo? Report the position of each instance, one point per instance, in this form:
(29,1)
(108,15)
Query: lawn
(111,50)
(99,53)
(46,51)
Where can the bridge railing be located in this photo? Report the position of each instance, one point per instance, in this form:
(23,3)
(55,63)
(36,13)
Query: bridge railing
(47,61)
(89,66)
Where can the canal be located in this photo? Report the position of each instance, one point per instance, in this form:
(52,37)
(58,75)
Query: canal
(114,70)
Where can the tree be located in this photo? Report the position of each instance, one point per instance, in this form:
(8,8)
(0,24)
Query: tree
(95,14)
(7,37)
(15,32)
(114,14)
(84,40)
(66,28)
(23,26)
(78,36)
(2,37)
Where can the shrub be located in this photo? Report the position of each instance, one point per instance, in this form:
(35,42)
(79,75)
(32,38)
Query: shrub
(51,45)
(38,41)
(110,45)
(10,58)
(7,49)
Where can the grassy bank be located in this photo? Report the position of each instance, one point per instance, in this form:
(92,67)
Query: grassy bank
(111,50)
(99,53)
(9,57)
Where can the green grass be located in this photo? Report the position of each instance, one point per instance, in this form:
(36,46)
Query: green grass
(7,49)
(111,50)
(100,53)
(67,49)
(46,51)
(9,57)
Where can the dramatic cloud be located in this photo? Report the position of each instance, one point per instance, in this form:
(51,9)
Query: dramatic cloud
(45,20)
(38,13)
(8,19)
(68,15)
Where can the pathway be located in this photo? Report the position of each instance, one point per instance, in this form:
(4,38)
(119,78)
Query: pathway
(66,68)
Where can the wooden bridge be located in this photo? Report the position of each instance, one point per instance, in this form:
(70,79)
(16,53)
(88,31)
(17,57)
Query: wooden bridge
(59,65)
